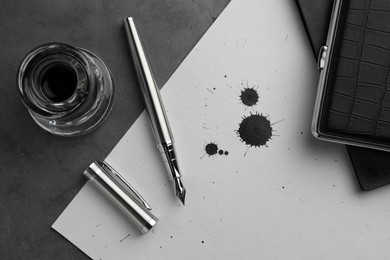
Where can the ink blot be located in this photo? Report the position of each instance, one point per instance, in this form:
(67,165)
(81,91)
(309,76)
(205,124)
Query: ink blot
(255,130)
(249,97)
(211,149)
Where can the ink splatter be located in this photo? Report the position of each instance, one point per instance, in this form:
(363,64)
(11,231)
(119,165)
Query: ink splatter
(211,149)
(255,130)
(124,238)
(249,97)
(210,91)
(222,152)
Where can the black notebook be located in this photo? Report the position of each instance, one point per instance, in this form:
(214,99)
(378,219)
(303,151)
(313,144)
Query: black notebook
(371,166)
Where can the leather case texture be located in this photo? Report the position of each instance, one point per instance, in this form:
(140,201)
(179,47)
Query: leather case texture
(372,167)
(357,95)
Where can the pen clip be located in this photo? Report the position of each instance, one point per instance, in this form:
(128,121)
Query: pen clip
(127,188)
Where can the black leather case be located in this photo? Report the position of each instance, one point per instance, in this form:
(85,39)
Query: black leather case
(372,166)
(353,103)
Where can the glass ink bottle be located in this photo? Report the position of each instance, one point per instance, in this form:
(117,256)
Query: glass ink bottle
(68,91)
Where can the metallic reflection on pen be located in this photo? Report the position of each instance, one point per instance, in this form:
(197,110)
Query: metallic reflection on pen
(154,107)
(114,186)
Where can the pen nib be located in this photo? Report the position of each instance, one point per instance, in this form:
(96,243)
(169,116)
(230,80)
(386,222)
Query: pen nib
(180,190)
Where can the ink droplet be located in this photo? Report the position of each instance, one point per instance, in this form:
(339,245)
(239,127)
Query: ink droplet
(255,130)
(211,149)
(249,97)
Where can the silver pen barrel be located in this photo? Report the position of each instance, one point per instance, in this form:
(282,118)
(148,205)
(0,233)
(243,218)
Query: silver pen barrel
(150,92)
(154,106)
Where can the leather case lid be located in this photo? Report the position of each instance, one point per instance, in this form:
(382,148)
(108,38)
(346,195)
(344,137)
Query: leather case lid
(356,102)
(371,166)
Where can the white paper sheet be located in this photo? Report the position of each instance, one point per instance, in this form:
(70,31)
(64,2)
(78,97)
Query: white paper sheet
(294,197)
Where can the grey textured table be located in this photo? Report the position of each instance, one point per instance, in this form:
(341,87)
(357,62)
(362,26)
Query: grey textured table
(41,173)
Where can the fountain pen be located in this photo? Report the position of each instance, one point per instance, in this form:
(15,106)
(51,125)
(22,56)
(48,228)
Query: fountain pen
(154,107)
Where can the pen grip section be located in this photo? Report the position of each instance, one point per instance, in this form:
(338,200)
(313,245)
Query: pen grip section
(168,154)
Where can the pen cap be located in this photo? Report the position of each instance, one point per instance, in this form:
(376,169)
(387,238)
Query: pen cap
(114,186)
